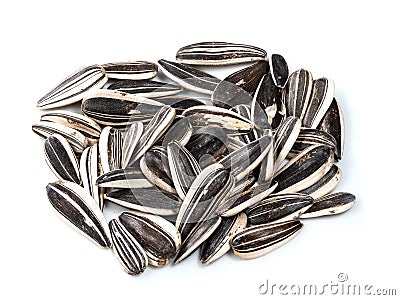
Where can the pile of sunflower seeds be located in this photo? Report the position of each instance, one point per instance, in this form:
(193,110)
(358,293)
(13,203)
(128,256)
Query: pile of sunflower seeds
(196,161)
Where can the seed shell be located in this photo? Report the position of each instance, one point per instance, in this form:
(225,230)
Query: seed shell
(131,139)
(61,158)
(180,130)
(78,208)
(90,170)
(188,77)
(129,178)
(256,241)
(297,93)
(150,89)
(279,208)
(75,87)
(127,250)
(110,145)
(76,139)
(158,237)
(137,70)
(279,70)
(332,204)
(150,200)
(218,243)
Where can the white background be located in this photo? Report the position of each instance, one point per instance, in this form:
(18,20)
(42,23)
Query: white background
(354,43)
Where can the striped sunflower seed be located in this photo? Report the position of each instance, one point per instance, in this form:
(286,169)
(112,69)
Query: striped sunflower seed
(284,138)
(110,145)
(131,139)
(326,184)
(256,241)
(333,123)
(90,129)
(201,232)
(78,208)
(332,204)
(279,208)
(76,139)
(75,87)
(129,253)
(90,170)
(154,166)
(113,108)
(232,123)
(180,130)
(150,89)
(157,126)
(305,169)
(218,243)
(321,98)
(297,93)
(159,238)
(61,158)
(244,111)
(219,53)
(181,103)
(137,70)
(183,167)
(208,190)
(279,70)
(188,77)
(129,178)
(150,200)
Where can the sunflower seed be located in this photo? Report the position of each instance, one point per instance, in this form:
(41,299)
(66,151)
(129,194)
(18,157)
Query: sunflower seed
(333,123)
(304,170)
(244,111)
(154,130)
(201,232)
(183,167)
(150,89)
(267,166)
(218,243)
(77,207)
(131,139)
(158,237)
(309,137)
(284,138)
(129,178)
(76,139)
(207,191)
(90,170)
(243,185)
(110,145)
(154,165)
(180,131)
(61,158)
(150,200)
(260,117)
(297,93)
(90,129)
(137,70)
(326,184)
(259,240)
(279,70)
(239,87)
(321,98)
(279,208)
(114,108)
(234,143)
(244,160)
(332,204)
(219,53)
(207,145)
(131,256)
(238,203)
(232,123)
(75,87)
(188,77)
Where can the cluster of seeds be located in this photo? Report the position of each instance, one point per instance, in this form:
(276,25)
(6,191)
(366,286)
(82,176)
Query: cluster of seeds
(198,161)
